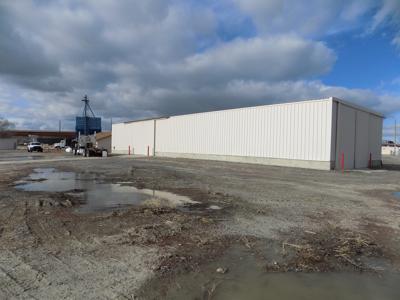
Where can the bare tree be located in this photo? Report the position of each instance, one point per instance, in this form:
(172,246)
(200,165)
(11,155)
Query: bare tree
(6,124)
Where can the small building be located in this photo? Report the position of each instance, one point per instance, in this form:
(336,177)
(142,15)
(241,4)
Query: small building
(319,134)
(8,141)
(103,140)
(390,148)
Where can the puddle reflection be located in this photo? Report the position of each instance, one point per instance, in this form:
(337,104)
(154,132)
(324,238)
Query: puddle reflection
(97,196)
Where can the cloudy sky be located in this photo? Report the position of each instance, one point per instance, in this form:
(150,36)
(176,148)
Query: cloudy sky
(136,58)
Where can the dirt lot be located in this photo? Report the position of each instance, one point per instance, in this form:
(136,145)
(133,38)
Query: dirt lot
(292,220)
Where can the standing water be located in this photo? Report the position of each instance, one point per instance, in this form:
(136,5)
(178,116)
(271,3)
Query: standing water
(96,196)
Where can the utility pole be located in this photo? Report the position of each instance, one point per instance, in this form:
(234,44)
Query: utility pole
(85,109)
(111,125)
(59,125)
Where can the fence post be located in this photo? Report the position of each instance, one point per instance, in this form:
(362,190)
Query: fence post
(129,150)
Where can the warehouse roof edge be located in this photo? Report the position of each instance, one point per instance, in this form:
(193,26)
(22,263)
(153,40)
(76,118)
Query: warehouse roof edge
(344,102)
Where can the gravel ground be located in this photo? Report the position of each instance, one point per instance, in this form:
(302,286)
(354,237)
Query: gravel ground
(49,252)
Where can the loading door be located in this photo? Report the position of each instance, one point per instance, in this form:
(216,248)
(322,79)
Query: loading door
(346,133)
(362,140)
(353,141)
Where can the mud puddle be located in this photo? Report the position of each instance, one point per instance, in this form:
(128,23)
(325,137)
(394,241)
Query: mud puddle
(397,194)
(239,274)
(98,196)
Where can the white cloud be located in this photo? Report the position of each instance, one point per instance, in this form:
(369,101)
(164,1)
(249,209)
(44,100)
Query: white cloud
(124,100)
(309,18)
(156,57)
(388,14)
(282,57)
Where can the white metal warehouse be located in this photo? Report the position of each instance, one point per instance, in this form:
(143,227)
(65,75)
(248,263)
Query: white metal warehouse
(320,134)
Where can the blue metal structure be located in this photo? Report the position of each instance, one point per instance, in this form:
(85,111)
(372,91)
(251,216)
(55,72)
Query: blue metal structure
(87,125)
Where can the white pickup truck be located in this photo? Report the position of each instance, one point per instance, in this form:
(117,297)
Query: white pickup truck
(34,146)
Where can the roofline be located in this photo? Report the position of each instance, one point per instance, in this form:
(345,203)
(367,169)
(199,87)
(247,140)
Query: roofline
(358,107)
(229,109)
(264,105)
(142,120)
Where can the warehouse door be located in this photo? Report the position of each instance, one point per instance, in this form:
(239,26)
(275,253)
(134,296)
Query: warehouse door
(346,133)
(362,140)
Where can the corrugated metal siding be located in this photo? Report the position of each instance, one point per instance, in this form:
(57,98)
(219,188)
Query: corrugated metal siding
(375,137)
(118,139)
(137,135)
(346,136)
(359,134)
(300,130)
(334,129)
(362,140)
(318,131)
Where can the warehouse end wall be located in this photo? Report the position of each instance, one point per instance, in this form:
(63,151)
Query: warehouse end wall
(134,137)
(375,139)
(358,137)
